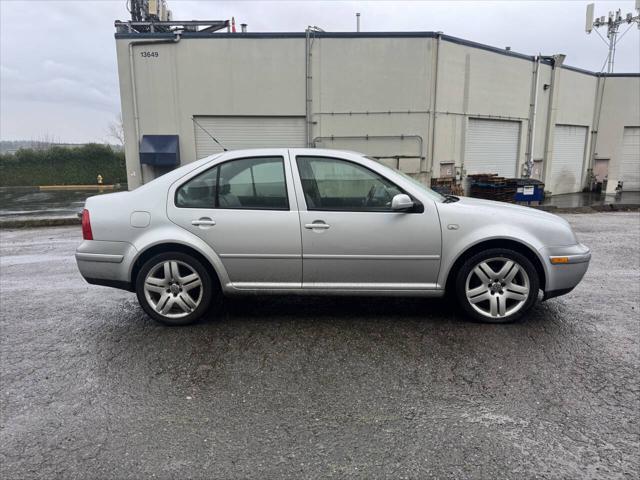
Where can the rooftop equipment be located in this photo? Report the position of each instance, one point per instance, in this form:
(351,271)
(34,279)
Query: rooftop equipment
(149,16)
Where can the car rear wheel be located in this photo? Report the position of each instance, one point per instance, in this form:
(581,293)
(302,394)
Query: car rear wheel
(174,288)
(497,286)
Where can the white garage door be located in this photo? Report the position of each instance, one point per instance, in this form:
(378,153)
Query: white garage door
(630,165)
(237,133)
(569,145)
(492,147)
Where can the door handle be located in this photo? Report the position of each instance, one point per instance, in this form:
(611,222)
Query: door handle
(317,224)
(203,222)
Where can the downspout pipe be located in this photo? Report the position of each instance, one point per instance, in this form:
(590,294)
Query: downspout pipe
(307,109)
(532,120)
(556,63)
(434,103)
(597,112)
(136,116)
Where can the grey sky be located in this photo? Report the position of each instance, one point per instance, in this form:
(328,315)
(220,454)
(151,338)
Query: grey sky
(58,75)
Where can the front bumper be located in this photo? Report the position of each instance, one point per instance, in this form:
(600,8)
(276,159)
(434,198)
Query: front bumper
(106,263)
(563,277)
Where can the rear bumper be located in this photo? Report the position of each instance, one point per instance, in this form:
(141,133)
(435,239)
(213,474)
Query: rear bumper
(563,277)
(106,263)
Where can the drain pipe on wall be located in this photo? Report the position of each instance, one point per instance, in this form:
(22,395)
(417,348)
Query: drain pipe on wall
(595,124)
(136,116)
(551,115)
(434,106)
(533,107)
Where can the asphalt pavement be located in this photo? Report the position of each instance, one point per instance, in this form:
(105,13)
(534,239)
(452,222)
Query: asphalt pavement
(317,387)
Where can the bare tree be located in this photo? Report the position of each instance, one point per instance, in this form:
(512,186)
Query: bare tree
(115,130)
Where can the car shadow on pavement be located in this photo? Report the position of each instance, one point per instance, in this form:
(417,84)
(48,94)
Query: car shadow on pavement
(342,309)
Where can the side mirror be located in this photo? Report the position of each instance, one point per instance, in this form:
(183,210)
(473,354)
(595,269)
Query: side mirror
(401,202)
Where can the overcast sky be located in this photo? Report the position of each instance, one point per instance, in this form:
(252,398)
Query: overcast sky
(58,69)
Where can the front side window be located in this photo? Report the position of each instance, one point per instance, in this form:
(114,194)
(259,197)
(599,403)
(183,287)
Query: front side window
(333,184)
(247,183)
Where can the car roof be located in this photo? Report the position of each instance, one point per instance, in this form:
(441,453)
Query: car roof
(295,151)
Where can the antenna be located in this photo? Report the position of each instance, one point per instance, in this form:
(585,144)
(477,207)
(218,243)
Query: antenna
(193,119)
(612,22)
(358,20)
(589,25)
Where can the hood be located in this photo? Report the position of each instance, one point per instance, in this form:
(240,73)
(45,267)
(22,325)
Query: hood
(508,220)
(491,206)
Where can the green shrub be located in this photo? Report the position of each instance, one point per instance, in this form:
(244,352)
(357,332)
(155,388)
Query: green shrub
(63,166)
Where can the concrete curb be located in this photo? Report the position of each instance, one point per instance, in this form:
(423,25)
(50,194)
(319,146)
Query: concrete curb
(39,222)
(49,188)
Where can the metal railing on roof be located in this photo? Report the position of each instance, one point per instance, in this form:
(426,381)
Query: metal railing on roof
(208,26)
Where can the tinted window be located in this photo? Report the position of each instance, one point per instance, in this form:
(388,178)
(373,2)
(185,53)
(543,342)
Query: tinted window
(332,184)
(248,183)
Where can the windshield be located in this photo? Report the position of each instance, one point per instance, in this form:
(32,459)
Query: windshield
(434,195)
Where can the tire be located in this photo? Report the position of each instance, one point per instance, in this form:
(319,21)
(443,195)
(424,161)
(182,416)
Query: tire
(174,288)
(497,286)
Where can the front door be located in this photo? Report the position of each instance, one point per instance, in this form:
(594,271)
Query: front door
(244,211)
(352,240)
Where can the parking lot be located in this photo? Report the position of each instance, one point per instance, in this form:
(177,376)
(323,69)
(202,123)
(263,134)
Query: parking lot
(320,387)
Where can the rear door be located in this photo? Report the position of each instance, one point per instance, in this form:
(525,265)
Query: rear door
(630,164)
(241,132)
(492,146)
(567,162)
(246,211)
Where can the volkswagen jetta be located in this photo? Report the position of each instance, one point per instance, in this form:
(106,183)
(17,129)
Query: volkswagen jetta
(311,221)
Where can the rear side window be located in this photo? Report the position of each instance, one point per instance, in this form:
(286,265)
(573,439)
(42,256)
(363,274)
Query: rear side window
(200,191)
(248,183)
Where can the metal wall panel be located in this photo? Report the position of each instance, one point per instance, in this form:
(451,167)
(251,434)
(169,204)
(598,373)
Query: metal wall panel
(630,164)
(241,132)
(567,164)
(492,147)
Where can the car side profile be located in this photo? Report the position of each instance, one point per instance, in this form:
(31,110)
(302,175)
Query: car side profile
(312,221)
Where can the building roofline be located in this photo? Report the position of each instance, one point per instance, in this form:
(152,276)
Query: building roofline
(285,35)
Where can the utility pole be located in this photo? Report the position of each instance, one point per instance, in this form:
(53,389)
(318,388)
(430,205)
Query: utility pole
(612,22)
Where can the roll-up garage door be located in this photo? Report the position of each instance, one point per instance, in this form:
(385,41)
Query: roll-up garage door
(630,165)
(569,145)
(492,147)
(237,133)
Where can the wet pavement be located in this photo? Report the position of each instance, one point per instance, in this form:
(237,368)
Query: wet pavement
(589,199)
(30,203)
(319,387)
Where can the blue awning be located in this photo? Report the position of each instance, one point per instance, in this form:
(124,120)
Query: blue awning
(160,150)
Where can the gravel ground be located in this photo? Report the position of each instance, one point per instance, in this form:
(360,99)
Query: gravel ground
(317,387)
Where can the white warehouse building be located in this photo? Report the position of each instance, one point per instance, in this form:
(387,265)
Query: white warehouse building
(430,104)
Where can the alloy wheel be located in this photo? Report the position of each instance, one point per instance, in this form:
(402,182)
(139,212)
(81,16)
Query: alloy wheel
(173,289)
(497,287)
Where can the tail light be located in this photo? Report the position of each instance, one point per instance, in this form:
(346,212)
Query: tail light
(87,234)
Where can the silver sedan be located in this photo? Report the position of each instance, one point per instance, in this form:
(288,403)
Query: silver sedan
(311,221)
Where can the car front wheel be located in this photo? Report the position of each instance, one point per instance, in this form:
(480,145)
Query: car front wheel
(174,288)
(497,286)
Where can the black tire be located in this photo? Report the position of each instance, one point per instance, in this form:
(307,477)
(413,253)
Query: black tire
(503,253)
(207,288)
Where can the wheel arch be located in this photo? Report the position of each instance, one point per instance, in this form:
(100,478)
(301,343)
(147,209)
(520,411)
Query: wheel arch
(156,249)
(507,243)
